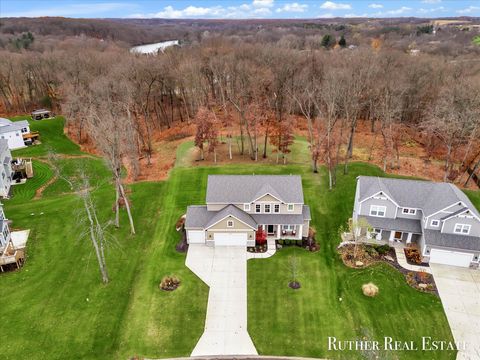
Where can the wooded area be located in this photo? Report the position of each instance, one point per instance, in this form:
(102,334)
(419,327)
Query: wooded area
(253,93)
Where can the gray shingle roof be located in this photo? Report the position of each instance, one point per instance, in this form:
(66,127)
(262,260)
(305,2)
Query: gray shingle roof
(233,211)
(433,237)
(237,189)
(454,213)
(14,126)
(426,195)
(398,224)
(199,217)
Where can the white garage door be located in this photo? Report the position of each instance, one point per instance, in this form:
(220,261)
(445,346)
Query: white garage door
(230,239)
(454,258)
(196,236)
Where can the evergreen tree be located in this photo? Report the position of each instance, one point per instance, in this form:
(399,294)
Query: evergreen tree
(342,42)
(327,41)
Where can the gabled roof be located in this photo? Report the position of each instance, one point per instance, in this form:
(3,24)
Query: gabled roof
(12,126)
(426,195)
(267,189)
(398,224)
(231,210)
(237,189)
(458,212)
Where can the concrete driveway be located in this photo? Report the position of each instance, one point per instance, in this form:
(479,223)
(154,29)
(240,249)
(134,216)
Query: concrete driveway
(459,290)
(224,269)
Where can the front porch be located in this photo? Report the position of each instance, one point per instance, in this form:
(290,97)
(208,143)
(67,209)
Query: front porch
(282,231)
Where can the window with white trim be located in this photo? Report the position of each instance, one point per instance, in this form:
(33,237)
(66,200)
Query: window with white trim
(258,208)
(230,223)
(246,207)
(290,207)
(267,208)
(462,229)
(435,223)
(409,211)
(276,208)
(377,210)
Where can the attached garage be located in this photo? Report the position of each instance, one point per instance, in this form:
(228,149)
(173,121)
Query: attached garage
(230,239)
(196,236)
(454,258)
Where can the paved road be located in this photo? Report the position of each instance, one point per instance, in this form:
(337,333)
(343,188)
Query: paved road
(459,289)
(224,269)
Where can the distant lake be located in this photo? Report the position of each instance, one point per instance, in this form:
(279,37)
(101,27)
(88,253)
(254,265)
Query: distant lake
(153,48)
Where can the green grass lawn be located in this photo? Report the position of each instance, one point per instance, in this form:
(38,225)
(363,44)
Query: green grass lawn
(57,308)
(51,138)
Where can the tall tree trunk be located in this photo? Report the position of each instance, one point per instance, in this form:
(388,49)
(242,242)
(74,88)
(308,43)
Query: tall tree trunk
(265,143)
(470,174)
(93,238)
(127,206)
(447,162)
(230,147)
(117,207)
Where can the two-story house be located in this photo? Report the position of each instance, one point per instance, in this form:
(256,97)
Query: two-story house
(13,132)
(438,217)
(237,206)
(6,169)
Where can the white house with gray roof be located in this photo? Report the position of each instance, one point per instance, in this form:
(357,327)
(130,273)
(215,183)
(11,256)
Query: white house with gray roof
(237,206)
(438,217)
(13,132)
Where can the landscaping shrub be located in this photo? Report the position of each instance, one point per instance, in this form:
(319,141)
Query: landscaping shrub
(413,255)
(370,289)
(371,251)
(169,283)
(382,249)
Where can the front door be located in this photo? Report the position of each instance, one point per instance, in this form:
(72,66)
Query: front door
(398,236)
(270,229)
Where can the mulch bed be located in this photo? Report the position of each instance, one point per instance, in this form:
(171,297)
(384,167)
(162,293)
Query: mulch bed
(258,248)
(413,278)
(169,283)
(182,246)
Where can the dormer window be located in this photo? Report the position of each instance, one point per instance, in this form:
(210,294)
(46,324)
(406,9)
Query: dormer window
(230,223)
(276,208)
(463,229)
(435,223)
(246,207)
(409,211)
(268,208)
(290,207)
(258,208)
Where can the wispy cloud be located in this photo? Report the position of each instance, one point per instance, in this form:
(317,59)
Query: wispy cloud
(431,1)
(254,9)
(80,9)
(469,10)
(293,7)
(330,5)
(375,6)
(263,3)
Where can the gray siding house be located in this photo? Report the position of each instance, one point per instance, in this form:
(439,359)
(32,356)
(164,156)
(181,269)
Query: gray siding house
(438,217)
(6,169)
(237,206)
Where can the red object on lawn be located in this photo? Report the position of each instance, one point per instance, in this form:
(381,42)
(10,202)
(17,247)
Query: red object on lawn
(261,237)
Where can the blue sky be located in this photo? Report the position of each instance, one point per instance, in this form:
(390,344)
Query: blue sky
(237,9)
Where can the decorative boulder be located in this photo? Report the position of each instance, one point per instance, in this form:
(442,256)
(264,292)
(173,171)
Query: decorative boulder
(423,286)
(358,263)
(370,289)
(389,258)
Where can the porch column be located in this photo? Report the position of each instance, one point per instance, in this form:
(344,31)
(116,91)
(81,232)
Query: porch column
(279,231)
(409,238)
(392,234)
(299,233)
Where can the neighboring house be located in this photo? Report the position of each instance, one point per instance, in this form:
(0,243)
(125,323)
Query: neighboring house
(7,173)
(5,234)
(438,217)
(40,114)
(240,206)
(14,132)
